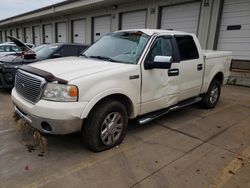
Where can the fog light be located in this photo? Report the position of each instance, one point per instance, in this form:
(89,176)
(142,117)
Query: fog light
(46,126)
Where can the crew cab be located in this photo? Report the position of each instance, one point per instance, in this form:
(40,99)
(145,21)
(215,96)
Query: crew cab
(128,74)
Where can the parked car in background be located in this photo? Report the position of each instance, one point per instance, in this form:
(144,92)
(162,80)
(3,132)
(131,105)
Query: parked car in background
(8,49)
(128,74)
(10,63)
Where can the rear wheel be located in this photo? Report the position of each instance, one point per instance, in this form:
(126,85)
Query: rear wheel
(210,99)
(106,126)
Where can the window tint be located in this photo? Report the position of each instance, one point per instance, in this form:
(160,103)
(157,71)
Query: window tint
(66,51)
(162,47)
(187,47)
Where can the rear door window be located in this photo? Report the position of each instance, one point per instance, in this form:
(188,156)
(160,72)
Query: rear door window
(68,50)
(187,48)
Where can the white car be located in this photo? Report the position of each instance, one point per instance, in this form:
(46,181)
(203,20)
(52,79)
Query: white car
(128,74)
(7,48)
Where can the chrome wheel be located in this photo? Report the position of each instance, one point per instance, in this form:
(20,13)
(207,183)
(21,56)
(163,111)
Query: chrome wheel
(214,94)
(111,129)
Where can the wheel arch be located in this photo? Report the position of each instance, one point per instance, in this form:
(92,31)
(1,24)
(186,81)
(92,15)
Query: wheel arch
(121,97)
(219,76)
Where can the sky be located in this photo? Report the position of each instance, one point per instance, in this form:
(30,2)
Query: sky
(9,8)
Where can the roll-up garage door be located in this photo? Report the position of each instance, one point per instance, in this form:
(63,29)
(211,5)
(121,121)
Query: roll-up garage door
(47,34)
(19,34)
(14,32)
(78,31)
(234,32)
(134,20)
(61,32)
(3,36)
(102,26)
(183,17)
(27,35)
(36,35)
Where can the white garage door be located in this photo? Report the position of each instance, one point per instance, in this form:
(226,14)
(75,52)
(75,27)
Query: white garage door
(19,34)
(134,20)
(47,33)
(27,35)
(235,29)
(184,17)
(102,26)
(79,31)
(61,32)
(3,36)
(14,32)
(36,35)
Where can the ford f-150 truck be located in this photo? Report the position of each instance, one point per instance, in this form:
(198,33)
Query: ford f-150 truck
(126,74)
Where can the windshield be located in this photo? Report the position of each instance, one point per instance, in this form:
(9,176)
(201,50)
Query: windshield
(46,50)
(124,47)
(9,48)
(36,49)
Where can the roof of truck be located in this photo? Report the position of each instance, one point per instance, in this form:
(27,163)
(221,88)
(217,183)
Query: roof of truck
(159,31)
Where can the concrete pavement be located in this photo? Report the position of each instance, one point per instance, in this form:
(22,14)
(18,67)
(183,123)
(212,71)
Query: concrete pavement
(191,147)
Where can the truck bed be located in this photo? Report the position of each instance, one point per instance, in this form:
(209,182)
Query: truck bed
(214,61)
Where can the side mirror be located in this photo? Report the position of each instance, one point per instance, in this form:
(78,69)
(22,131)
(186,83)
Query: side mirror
(160,62)
(56,55)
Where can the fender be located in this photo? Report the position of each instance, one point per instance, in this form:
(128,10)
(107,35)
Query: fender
(209,76)
(106,93)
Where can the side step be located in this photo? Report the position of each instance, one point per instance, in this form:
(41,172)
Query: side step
(153,115)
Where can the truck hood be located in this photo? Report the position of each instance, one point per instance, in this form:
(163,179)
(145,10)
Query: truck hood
(71,68)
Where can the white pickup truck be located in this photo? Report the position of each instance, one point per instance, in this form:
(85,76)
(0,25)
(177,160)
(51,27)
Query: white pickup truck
(127,74)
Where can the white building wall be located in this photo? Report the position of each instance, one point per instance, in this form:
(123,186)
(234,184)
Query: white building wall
(207,19)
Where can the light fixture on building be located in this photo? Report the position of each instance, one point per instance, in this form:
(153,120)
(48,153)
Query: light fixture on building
(114,7)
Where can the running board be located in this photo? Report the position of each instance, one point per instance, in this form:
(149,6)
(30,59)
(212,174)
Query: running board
(153,115)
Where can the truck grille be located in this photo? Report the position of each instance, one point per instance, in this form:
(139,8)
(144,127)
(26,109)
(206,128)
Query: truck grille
(29,86)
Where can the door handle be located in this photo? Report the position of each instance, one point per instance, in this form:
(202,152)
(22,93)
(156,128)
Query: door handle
(199,67)
(173,72)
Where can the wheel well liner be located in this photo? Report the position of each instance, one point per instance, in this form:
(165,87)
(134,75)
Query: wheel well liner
(219,76)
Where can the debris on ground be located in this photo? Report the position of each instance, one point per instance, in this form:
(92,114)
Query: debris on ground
(37,136)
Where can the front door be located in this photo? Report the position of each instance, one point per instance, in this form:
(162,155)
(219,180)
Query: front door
(159,88)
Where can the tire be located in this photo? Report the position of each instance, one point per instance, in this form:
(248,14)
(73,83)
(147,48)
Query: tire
(211,98)
(105,126)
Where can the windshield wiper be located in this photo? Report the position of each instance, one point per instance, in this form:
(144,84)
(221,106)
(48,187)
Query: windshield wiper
(103,58)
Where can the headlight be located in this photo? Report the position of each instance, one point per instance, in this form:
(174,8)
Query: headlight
(60,92)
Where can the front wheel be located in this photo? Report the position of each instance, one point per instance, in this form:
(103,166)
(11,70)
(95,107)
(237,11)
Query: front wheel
(106,126)
(210,99)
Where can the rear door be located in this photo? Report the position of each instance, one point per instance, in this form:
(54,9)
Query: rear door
(191,67)
(68,50)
